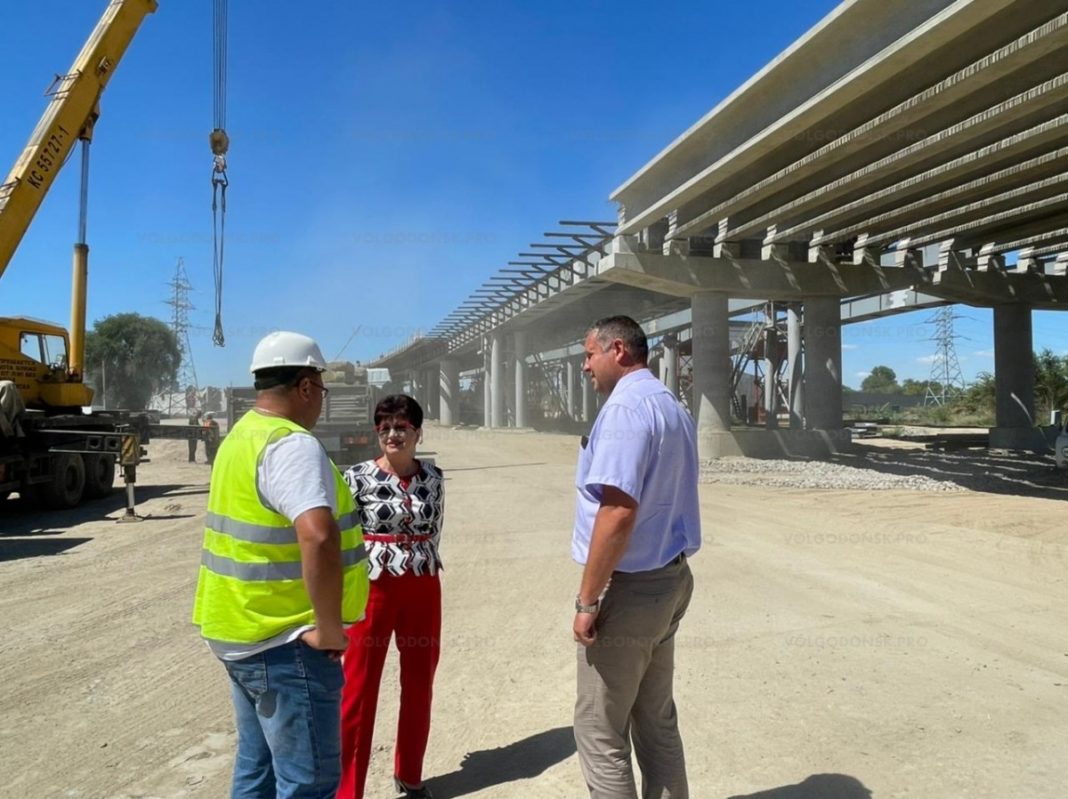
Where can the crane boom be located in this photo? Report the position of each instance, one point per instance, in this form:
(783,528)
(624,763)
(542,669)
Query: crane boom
(70,114)
(50,446)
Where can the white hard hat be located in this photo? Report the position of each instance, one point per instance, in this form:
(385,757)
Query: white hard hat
(283,348)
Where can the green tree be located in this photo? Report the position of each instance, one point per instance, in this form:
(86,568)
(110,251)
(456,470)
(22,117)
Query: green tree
(911,387)
(1051,383)
(137,355)
(979,397)
(882,380)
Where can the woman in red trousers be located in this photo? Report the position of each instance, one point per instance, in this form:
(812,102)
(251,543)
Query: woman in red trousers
(401,502)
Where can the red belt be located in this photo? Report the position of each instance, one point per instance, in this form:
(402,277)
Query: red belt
(395,539)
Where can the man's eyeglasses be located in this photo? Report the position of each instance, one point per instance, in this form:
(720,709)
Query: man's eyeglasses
(319,386)
(402,430)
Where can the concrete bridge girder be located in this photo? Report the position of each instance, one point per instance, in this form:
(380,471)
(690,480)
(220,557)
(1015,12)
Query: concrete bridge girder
(892,46)
(684,276)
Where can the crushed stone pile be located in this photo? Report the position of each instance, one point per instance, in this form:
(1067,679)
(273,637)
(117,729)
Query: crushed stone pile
(814,474)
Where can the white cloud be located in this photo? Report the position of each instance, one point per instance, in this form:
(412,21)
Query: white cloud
(849,347)
(862,374)
(984,353)
(936,358)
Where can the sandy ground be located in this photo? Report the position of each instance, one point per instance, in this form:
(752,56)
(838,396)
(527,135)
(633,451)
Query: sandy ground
(841,644)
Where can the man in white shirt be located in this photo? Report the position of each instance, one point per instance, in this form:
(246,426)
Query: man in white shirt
(283,569)
(637,520)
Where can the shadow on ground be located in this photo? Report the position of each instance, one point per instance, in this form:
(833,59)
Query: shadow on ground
(521,760)
(993,472)
(817,786)
(19,548)
(19,518)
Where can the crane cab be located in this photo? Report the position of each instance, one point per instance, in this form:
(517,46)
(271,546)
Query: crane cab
(35,356)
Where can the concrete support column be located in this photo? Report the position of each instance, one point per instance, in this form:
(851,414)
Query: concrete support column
(519,343)
(433,398)
(796,375)
(771,368)
(670,363)
(1014,367)
(487,380)
(589,400)
(822,331)
(449,392)
(711,369)
(572,389)
(496,380)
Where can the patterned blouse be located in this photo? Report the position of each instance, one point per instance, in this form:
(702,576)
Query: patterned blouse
(401,523)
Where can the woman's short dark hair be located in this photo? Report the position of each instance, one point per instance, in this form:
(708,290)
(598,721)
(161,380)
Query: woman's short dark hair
(399,406)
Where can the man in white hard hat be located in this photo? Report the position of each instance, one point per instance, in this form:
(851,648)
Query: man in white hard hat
(282,571)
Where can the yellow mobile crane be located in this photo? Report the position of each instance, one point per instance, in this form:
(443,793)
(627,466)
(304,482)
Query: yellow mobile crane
(49,448)
(49,376)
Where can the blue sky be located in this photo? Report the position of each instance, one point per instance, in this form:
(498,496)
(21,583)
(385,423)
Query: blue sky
(385,158)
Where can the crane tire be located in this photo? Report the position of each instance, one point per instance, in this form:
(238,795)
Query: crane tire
(99,475)
(67,485)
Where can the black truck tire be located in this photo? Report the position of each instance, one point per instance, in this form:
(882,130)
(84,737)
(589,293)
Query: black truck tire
(67,485)
(99,475)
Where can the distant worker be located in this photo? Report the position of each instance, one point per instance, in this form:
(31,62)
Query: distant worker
(401,504)
(211,441)
(194,421)
(637,519)
(283,569)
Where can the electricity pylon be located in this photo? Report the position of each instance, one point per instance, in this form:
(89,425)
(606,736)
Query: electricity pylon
(946,381)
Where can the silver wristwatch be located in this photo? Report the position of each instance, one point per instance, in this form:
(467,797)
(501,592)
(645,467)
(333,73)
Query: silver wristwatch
(580,608)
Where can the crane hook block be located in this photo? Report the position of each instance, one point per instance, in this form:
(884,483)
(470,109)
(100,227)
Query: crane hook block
(219,141)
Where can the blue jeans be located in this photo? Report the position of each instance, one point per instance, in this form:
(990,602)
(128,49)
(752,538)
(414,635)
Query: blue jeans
(287,702)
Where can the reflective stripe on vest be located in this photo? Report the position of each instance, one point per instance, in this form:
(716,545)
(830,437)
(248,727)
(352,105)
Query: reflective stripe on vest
(283,570)
(261,534)
(251,586)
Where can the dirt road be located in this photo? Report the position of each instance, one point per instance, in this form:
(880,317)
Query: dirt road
(841,644)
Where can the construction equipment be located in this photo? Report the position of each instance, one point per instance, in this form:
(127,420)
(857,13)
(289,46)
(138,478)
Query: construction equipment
(48,446)
(69,117)
(346,424)
(220,145)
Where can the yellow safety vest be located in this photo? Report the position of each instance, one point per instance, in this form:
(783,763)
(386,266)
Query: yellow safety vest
(251,585)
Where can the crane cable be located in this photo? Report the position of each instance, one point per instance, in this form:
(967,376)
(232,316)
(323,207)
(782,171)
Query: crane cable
(220,143)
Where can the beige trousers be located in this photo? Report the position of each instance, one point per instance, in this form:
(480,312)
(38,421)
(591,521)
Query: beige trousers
(625,688)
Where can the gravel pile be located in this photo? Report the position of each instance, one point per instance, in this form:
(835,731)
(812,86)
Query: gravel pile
(814,474)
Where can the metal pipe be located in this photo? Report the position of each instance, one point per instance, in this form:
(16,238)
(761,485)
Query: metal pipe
(80,273)
(129,474)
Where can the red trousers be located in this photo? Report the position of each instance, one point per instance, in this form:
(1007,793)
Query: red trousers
(410,607)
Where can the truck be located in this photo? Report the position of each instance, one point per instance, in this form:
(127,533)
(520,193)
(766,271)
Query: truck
(346,425)
(51,447)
